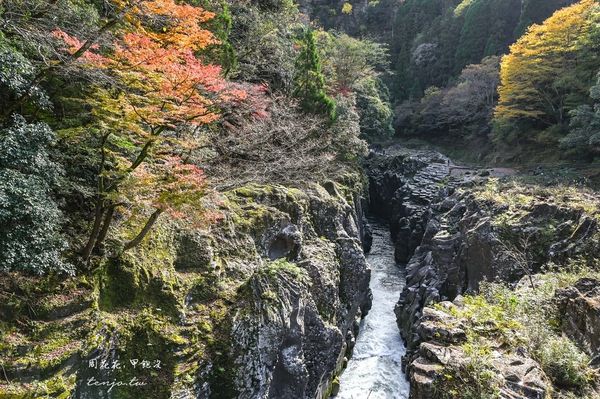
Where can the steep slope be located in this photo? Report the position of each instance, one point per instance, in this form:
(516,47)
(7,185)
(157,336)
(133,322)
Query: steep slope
(262,305)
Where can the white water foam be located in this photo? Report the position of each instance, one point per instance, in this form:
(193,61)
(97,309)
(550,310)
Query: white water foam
(375,371)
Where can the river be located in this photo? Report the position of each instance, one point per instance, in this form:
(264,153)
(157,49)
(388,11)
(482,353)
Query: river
(375,371)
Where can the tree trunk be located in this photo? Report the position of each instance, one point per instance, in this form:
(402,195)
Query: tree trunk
(145,230)
(108,216)
(89,246)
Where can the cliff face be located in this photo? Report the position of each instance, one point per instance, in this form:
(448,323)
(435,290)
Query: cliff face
(290,333)
(457,228)
(266,303)
(261,306)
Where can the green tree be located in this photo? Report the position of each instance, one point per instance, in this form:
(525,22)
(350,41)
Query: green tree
(536,11)
(474,33)
(373,106)
(309,82)
(30,220)
(353,65)
(487,30)
(16,75)
(468,106)
(221,26)
(584,135)
(347,60)
(345,131)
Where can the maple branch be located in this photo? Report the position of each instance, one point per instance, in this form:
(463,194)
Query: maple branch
(73,57)
(145,230)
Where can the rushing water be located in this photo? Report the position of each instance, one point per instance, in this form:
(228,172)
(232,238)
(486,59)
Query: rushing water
(375,372)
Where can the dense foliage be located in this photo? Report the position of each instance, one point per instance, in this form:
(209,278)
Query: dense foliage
(30,221)
(154,154)
(584,135)
(359,66)
(463,110)
(547,74)
(445,57)
(139,105)
(431,41)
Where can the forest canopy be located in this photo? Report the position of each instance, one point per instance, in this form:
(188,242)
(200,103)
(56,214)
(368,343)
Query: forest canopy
(499,78)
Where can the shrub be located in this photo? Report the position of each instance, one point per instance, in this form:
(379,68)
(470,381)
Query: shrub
(537,315)
(564,363)
(30,238)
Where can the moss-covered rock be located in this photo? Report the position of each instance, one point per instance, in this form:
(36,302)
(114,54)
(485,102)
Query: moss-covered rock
(216,306)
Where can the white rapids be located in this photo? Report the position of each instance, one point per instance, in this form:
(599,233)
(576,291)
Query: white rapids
(375,371)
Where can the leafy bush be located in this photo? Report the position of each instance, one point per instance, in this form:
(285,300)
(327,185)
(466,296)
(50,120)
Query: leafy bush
(16,74)
(30,219)
(374,108)
(536,312)
(564,363)
(476,378)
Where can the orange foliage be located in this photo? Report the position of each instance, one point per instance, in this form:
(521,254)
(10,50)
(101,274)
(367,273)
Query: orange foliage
(157,93)
(169,84)
(169,185)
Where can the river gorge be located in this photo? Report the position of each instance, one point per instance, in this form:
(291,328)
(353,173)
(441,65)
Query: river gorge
(375,369)
(349,290)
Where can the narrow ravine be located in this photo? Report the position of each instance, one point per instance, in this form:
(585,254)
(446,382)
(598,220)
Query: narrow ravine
(375,370)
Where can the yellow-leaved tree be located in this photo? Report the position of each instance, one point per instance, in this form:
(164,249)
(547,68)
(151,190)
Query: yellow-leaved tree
(549,70)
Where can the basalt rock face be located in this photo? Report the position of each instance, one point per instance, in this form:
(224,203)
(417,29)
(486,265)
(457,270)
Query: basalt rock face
(290,334)
(469,239)
(264,305)
(455,228)
(402,186)
(580,309)
(441,356)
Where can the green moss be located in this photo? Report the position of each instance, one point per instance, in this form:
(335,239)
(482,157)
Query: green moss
(333,388)
(205,289)
(143,276)
(252,208)
(58,387)
(268,296)
(508,319)
(284,268)
(150,337)
(43,347)
(118,285)
(519,196)
(139,299)
(223,374)
(253,191)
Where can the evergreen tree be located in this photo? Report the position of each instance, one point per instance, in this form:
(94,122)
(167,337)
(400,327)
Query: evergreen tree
(221,26)
(309,82)
(584,135)
(536,11)
(30,220)
(474,35)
